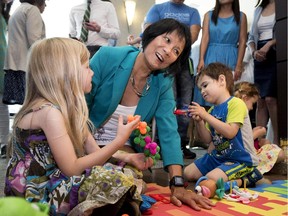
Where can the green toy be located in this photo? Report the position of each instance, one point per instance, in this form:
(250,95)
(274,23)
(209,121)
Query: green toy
(12,206)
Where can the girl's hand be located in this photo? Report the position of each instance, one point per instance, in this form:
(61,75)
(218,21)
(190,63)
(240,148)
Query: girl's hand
(139,161)
(124,130)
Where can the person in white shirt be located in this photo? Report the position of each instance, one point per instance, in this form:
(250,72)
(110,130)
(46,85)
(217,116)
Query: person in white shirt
(103,24)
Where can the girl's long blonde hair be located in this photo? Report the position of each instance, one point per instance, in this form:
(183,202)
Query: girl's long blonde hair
(54,75)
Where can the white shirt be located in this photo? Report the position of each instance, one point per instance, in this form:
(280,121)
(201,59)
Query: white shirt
(265,26)
(104,14)
(107,133)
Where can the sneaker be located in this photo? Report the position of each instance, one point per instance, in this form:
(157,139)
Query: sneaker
(252,178)
(3,151)
(188,154)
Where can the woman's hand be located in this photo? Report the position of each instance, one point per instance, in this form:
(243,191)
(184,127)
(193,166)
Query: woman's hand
(179,196)
(200,66)
(259,55)
(124,130)
(238,72)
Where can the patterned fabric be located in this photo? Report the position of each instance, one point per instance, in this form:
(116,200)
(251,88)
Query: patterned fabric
(84,31)
(14,87)
(268,155)
(32,173)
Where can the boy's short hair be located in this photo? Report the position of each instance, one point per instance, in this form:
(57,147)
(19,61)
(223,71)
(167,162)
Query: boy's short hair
(214,70)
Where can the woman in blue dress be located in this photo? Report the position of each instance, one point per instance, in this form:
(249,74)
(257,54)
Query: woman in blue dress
(224,36)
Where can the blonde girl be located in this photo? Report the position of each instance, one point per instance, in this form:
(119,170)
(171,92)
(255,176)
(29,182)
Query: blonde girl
(268,154)
(55,159)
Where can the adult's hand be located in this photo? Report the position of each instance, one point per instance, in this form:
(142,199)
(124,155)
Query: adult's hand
(259,55)
(179,196)
(93,26)
(200,66)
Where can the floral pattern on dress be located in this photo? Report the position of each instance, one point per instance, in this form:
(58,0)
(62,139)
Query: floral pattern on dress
(32,173)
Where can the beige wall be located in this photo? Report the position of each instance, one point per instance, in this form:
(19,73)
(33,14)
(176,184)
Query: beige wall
(142,7)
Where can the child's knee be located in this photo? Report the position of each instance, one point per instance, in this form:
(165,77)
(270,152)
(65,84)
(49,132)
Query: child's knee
(281,156)
(191,172)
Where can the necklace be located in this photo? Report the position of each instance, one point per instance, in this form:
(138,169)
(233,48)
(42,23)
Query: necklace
(146,87)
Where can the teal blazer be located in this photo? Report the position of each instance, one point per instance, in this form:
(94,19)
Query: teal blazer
(112,67)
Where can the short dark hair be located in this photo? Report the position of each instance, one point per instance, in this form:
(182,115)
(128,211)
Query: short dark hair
(33,2)
(168,26)
(28,1)
(214,70)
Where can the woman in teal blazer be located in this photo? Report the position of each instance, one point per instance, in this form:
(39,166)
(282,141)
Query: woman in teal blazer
(119,73)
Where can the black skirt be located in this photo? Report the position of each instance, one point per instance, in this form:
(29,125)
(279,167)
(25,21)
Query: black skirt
(265,73)
(14,87)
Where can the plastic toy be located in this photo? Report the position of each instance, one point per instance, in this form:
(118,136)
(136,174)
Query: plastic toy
(237,195)
(209,188)
(11,206)
(146,204)
(161,198)
(183,111)
(144,140)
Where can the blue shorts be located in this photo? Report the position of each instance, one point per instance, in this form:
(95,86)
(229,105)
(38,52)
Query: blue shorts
(233,169)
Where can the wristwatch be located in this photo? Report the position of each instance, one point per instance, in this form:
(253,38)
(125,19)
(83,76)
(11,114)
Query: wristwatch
(176,181)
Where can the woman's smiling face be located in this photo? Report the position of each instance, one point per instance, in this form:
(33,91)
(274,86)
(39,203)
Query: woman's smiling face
(163,50)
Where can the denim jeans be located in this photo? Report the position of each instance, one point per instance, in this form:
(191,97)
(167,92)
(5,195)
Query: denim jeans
(183,92)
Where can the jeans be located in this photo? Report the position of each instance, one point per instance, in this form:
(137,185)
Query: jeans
(183,92)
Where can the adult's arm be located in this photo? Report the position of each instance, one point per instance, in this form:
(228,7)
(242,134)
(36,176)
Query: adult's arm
(194,30)
(204,42)
(241,47)
(34,25)
(72,25)
(111,30)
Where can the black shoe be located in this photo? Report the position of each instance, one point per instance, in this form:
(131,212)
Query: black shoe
(252,178)
(200,144)
(3,151)
(188,154)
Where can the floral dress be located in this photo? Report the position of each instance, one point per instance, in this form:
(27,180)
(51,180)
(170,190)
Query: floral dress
(32,173)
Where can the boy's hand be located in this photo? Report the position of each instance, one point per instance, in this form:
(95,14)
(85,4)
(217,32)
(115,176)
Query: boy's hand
(197,111)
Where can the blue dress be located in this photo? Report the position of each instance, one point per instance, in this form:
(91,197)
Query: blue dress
(222,47)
